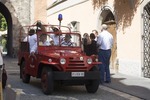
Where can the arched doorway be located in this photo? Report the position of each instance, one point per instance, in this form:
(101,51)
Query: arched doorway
(7,15)
(107,17)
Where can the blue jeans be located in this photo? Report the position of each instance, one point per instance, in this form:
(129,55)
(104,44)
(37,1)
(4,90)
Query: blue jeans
(104,57)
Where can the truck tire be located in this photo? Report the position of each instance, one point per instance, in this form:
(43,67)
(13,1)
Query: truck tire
(47,81)
(25,77)
(92,85)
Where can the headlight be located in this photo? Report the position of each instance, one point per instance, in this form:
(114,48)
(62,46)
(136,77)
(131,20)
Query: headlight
(89,61)
(81,58)
(49,60)
(62,61)
(96,60)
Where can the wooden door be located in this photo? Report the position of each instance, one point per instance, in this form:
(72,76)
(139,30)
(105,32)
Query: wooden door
(113,60)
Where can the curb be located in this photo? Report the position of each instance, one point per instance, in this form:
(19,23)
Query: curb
(12,94)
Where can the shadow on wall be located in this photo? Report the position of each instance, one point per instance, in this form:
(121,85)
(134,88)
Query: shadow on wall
(124,10)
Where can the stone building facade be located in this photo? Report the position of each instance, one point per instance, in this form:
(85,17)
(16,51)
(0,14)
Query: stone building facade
(19,13)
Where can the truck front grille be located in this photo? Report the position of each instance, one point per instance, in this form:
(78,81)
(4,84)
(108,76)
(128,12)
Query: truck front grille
(76,64)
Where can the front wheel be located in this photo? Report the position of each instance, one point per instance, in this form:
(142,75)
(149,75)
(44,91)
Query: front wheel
(92,85)
(25,77)
(47,81)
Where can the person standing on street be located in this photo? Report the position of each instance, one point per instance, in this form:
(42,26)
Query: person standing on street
(96,34)
(86,41)
(92,47)
(105,43)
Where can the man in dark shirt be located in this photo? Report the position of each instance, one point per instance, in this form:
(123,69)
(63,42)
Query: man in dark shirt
(92,47)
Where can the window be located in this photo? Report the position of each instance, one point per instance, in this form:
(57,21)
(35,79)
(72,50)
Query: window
(74,25)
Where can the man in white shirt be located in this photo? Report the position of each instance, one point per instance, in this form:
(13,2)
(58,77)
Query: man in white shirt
(105,43)
(43,40)
(33,43)
(32,39)
(56,36)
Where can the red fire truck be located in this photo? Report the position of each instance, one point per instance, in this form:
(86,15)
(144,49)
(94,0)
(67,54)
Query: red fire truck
(54,62)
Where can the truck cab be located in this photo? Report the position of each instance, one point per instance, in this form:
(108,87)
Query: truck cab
(56,60)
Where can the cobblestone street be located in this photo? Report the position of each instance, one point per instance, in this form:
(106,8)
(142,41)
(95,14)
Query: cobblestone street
(32,91)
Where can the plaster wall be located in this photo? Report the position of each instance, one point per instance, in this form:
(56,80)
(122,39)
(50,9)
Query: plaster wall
(82,12)
(129,47)
(40,7)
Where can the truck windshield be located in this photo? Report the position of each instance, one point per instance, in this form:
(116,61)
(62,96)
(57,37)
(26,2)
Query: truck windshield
(51,39)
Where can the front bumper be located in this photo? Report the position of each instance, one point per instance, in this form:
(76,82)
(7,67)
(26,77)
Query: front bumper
(91,75)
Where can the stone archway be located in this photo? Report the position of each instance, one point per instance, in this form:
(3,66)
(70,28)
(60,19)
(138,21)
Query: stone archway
(8,18)
(14,18)
(108,18)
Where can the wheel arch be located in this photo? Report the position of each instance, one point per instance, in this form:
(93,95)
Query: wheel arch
(42,65)
(20,63)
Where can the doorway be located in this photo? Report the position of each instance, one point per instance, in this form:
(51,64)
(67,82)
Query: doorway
(108,18)
(9,41)
(113,59)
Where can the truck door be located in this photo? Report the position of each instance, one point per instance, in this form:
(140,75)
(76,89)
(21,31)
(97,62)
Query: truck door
(32,64)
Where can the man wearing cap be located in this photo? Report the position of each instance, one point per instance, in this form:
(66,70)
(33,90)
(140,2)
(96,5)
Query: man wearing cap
(56,37)
(32,39)
(105,43)
(67,41)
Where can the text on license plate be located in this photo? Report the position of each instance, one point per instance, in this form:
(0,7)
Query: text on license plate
(77,74)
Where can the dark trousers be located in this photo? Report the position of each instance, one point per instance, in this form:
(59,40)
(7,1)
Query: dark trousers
(104,57)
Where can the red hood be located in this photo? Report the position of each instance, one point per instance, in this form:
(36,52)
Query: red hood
(60,53)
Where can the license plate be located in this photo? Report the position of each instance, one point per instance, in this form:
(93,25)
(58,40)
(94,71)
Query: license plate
(77,74)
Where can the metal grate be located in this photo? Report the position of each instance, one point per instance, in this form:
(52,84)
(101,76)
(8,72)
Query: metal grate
(146,41)
(74,63)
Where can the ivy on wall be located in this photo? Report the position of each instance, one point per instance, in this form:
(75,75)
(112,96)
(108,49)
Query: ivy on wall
(3,23)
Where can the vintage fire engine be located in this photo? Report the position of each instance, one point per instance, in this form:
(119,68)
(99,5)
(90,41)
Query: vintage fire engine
(57,63)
